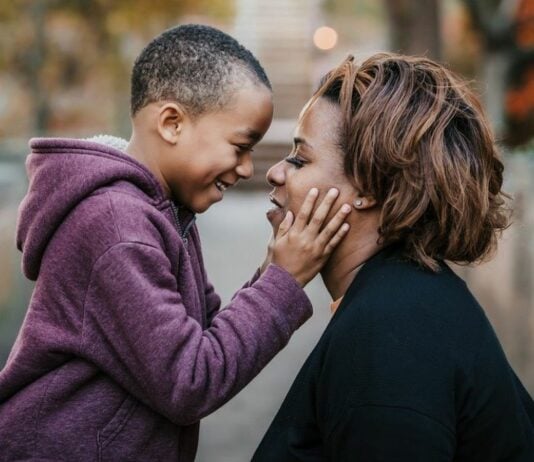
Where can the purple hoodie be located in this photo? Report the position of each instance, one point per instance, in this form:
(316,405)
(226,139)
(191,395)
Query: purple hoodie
(123,349)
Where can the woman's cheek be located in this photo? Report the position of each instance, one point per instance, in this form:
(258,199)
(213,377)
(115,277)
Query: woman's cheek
(275,218)
(296,194)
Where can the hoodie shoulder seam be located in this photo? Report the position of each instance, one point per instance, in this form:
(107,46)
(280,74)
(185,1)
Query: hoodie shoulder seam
(112,211)
(159,205)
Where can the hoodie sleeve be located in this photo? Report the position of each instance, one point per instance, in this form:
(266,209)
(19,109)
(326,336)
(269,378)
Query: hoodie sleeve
(136,329)
(213,301)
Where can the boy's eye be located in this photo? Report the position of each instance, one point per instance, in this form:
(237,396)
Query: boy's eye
(241,148)
(293,160)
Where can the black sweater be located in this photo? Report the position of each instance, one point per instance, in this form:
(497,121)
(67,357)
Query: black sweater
(408,369)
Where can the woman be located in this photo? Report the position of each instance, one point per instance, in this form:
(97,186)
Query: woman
(409,368)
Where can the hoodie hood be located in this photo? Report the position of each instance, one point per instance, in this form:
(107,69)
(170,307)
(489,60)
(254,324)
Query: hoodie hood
(62,173)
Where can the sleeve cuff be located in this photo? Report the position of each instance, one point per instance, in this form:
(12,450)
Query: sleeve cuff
(298,308)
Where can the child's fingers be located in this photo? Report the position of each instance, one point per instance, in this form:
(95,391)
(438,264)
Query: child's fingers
(306,208)
(333,225)
(322,210)
(336,239)
(285,225)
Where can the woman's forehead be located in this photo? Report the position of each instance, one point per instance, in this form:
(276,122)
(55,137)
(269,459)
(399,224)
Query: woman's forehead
(318,120)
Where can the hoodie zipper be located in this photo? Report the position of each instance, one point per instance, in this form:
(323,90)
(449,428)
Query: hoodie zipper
(177,222)
(183,234)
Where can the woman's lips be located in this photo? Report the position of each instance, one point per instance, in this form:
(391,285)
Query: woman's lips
(276,213)
(274,201)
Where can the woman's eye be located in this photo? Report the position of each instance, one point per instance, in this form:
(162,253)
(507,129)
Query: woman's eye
(298,163)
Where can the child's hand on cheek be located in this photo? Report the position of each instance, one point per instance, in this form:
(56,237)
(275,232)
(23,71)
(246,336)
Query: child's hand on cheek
(269,256)
(303,247)
(275,224)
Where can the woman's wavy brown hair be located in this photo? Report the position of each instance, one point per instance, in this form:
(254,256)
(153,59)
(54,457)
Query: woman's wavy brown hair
(416,139)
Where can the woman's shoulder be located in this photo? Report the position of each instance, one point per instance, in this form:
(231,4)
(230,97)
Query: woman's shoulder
(396,311)
(391,287)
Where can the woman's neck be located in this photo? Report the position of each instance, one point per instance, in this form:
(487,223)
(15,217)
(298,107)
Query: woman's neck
(355,249)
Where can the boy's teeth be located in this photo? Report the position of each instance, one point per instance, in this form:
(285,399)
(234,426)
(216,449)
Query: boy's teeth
(220,186)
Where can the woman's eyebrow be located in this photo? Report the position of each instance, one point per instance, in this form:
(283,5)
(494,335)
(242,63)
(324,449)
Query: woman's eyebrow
(301,141)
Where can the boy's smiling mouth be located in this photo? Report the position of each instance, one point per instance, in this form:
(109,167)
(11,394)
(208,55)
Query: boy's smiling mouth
(222,186)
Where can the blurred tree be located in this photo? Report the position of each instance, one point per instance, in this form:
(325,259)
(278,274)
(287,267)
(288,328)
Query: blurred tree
(52,46)
(506,31)
(415,27)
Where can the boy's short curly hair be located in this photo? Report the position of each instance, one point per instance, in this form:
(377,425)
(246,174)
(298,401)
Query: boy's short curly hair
(416,139)
(198,66)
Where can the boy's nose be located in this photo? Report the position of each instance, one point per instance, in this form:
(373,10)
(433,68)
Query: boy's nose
(245,169)
(276,174)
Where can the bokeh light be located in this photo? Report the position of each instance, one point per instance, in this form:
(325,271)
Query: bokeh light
(325,38)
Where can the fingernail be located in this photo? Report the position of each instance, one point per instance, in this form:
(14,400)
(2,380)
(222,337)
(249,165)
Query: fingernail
(333,192)
(345,227)
(314,191)
(345,208)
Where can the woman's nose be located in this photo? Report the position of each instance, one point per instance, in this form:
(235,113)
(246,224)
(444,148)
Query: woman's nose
(276,174)
(245,169)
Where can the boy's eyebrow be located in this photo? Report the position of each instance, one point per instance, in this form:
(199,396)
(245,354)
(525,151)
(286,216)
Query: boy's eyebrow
(251,134)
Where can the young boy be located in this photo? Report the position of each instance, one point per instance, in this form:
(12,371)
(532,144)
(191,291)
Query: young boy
(124,349)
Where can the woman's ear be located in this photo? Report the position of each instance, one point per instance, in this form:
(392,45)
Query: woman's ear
(361,202)
(171,118)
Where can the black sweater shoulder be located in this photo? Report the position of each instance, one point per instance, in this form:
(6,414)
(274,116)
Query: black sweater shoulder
(409,334)
(408,369)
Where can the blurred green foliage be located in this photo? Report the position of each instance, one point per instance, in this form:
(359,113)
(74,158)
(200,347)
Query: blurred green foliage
(51,46)
(354,7)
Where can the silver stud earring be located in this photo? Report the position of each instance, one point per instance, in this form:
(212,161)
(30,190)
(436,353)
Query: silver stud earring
(359,203)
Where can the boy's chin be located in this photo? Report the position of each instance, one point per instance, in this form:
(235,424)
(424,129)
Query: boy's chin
(202,204)
(201,208)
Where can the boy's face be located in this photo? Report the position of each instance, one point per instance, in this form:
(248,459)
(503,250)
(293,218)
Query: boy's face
(213,151)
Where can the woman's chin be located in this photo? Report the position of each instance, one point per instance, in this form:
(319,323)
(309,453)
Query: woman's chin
(275,216)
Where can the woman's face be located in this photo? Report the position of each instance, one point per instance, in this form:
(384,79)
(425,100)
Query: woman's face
(315,161)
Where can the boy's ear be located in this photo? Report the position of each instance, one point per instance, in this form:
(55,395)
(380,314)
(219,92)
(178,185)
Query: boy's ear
(170,121)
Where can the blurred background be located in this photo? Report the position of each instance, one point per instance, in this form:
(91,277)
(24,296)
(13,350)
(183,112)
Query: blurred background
(64,71)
